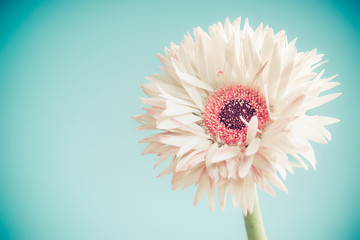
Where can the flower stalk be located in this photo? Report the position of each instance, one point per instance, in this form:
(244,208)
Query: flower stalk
(254,224)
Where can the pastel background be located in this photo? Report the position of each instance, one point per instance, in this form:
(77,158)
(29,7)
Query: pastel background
(70,165)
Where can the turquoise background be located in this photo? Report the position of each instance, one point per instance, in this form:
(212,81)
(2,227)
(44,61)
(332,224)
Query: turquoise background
(70,165)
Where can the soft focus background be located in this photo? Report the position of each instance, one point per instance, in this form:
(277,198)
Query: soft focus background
(70,165)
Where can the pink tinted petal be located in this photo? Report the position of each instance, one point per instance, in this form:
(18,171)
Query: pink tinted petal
(222,196)
(252,129)
(245,165)
(253,147)
(225,152)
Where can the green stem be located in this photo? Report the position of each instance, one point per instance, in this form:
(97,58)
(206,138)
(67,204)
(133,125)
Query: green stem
(254,224)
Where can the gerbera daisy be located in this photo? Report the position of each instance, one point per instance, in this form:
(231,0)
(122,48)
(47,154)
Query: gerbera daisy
(233,105)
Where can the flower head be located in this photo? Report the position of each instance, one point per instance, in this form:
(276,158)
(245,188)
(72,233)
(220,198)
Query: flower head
(232,106)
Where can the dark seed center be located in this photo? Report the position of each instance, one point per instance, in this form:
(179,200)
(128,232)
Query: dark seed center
(231,112)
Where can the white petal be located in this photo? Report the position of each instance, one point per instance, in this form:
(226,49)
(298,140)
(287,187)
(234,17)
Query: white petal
(165,86)
(156,102)
(201,188)
(175,139)
(302,163)
(184,161)
(281,171)
(205,145)
(310,156)
(210,153)
(190,79)
(267,45)
(186,119)
(253,63)
(262,164)
(252,129)
(244,197)
(222,196)
(211,170)
(295,107)
(195,94)
(274,179)
(174,109)
(192,177)
(210,195)
(192,128)
(231,51)
(232,167)
(251,194)
(222,170)
(323,99)
(245,165)
(268,188)
(153,147)
(160,160)
(175,98)
(192,143)
(225,152)
(286,73)
(253,147)
(329,85)
(274,71)
(167,170)
(204,58)
(326,120)
(236,193)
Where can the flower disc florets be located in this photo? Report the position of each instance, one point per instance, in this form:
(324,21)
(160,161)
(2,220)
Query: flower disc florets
(229,110)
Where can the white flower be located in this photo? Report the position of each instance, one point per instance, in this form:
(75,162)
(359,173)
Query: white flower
(232,106)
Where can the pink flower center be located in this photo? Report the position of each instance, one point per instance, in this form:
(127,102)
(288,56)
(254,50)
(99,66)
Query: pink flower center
(228,111)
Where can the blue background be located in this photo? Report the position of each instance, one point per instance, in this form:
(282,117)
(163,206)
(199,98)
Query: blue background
(70,165)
